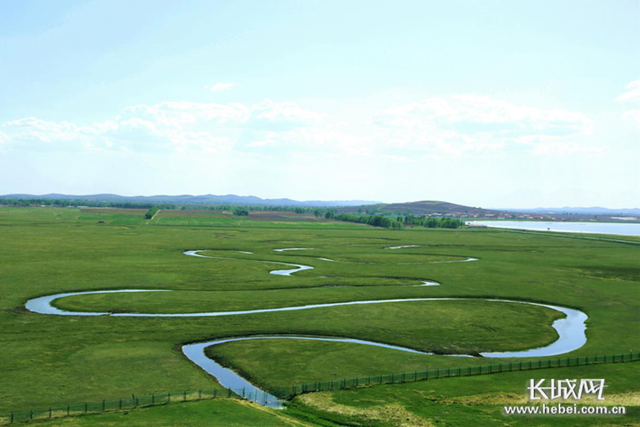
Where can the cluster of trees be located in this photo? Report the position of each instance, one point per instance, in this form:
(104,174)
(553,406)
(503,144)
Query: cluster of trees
(151,212)
(240,211)
(395,224)
(424,221)
(374,220)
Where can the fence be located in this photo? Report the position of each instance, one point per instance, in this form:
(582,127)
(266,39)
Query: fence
(134,401)
(266,399)
(406,377)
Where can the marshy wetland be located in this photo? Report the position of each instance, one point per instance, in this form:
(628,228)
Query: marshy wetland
(363,313)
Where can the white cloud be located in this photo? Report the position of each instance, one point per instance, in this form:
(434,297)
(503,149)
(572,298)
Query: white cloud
(564,148)
(34,133)
(179,125)
(285,112)
(436,127)
(314,139)
(220,86)
(475,113)
(457,124)
(182,113)
(632,93)
(633,116)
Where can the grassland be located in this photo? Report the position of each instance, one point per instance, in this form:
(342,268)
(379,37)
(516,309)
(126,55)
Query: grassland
(472,401)
(212,413)
(55,360)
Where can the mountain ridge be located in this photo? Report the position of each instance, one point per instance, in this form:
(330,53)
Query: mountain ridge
(191,199)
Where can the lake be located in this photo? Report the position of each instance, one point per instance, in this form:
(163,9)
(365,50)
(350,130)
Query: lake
(620,229)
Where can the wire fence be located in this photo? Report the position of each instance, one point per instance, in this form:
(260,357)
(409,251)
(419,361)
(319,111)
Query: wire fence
(276,399)
(136,401)
(405,377)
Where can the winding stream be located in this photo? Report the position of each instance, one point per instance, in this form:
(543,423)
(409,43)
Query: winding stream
(570,329)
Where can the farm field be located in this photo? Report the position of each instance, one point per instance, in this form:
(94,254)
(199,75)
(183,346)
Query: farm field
(56,360)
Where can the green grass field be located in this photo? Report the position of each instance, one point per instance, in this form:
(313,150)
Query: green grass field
(52,360)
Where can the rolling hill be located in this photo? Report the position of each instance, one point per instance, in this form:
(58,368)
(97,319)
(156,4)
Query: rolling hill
(426,207)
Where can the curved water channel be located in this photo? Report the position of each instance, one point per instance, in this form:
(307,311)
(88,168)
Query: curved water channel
(571,329)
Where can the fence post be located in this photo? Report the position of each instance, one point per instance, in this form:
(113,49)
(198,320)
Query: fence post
(120,404)
(12,418)
(68,410)
(49,411)
(153,399)
(103,406)
(31,415)
(184,396)
(85,407)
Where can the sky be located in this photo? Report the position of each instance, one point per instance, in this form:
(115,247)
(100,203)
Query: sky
(484,103)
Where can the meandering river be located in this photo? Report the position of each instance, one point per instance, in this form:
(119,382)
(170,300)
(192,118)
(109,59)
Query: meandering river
(570,329)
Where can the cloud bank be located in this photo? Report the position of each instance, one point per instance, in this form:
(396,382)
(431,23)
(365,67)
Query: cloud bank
(437,126)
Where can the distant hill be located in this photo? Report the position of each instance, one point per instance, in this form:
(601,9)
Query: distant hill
(595,210)
(207,199)
(428,207)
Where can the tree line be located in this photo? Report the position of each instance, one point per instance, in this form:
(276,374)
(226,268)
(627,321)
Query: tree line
(146,205)
(430,222)
(81,203)
(374,220)
(395,224)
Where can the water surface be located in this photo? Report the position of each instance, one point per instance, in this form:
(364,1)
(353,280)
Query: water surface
(616,228)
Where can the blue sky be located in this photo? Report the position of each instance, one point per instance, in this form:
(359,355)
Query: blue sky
(486,103)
